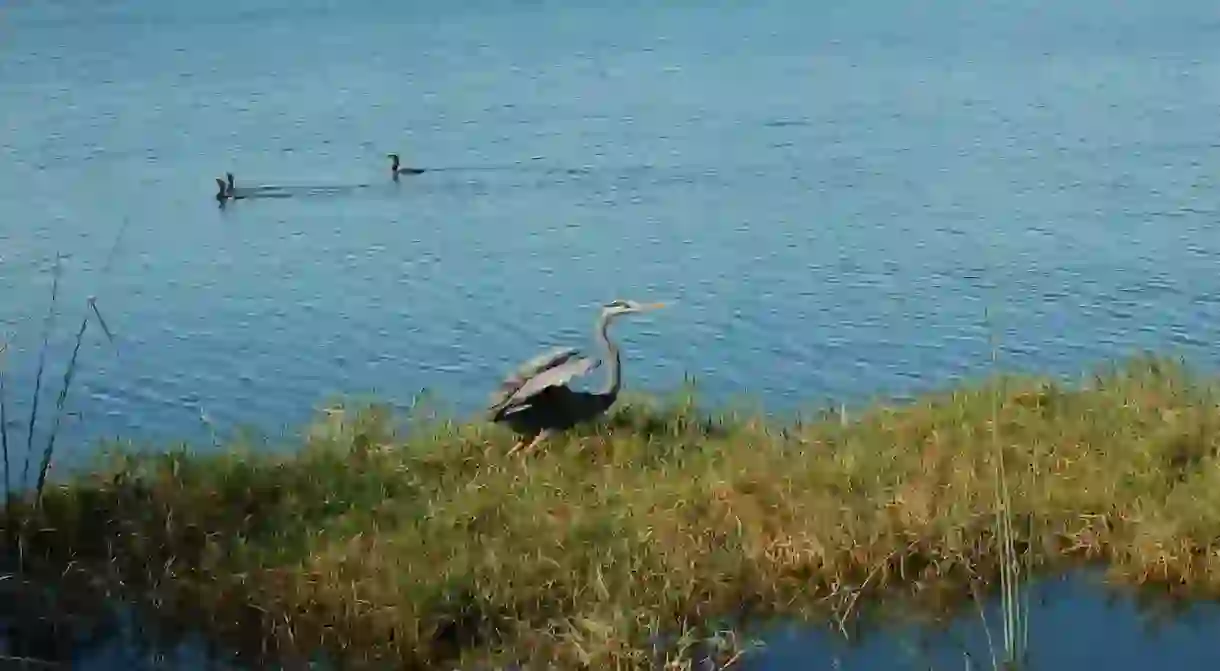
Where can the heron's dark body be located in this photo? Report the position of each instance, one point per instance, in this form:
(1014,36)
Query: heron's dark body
(555,409)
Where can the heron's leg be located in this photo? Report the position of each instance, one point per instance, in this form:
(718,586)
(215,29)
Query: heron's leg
(516,446)
(542,435)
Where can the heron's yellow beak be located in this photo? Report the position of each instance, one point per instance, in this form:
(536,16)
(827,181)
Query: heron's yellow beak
(652,306)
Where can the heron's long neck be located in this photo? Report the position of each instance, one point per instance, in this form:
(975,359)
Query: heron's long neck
(614,381)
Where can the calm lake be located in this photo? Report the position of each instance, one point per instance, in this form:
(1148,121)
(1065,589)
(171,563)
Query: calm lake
(835,196)
(1075,622)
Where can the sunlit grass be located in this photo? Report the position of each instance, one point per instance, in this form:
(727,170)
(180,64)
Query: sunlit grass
(617,546)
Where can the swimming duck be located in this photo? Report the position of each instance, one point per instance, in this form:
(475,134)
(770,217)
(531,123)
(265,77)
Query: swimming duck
(395,170)
(226,191)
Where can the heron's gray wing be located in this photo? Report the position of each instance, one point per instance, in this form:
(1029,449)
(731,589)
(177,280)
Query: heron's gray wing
(529,369)
(551,377)
(544,361)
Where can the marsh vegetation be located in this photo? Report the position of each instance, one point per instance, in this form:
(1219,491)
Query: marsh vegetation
(420,543)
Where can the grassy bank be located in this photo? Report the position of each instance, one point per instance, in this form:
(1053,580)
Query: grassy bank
(432,548)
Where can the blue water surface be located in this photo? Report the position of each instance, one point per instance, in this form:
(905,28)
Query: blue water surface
(1071,622)
(834,195)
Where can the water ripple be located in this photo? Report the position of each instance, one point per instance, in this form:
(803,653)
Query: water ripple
(838,221)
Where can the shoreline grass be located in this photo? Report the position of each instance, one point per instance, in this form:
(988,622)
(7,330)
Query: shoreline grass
(425,549)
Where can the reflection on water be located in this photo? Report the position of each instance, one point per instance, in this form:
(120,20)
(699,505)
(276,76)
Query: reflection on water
(1074,622)
(53,630)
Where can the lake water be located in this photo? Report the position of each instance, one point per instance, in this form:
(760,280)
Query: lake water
(1074,622)
(834,197)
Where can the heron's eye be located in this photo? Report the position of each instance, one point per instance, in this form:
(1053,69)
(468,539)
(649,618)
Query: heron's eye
(616,304)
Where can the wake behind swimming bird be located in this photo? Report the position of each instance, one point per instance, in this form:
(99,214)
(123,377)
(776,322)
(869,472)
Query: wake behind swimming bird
(247,191)
(227,190)
(396,169)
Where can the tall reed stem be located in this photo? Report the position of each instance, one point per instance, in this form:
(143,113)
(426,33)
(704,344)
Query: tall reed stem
(59,410)
(8,482)
(1013,621)
(47,324)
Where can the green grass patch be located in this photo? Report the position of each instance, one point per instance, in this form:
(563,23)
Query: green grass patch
(427,548)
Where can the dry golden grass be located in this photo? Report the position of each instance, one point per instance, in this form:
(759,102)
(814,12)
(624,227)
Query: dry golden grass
(609,548)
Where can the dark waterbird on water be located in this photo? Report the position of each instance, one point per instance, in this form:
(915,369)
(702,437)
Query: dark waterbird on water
(535,401)
(395,170)
(224,192)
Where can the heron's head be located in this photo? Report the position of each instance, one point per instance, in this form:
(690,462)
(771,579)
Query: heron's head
(220,183)
(619,307)
(392,157)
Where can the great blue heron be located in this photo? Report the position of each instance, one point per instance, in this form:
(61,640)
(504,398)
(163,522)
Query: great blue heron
(395,170)
(535,401)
